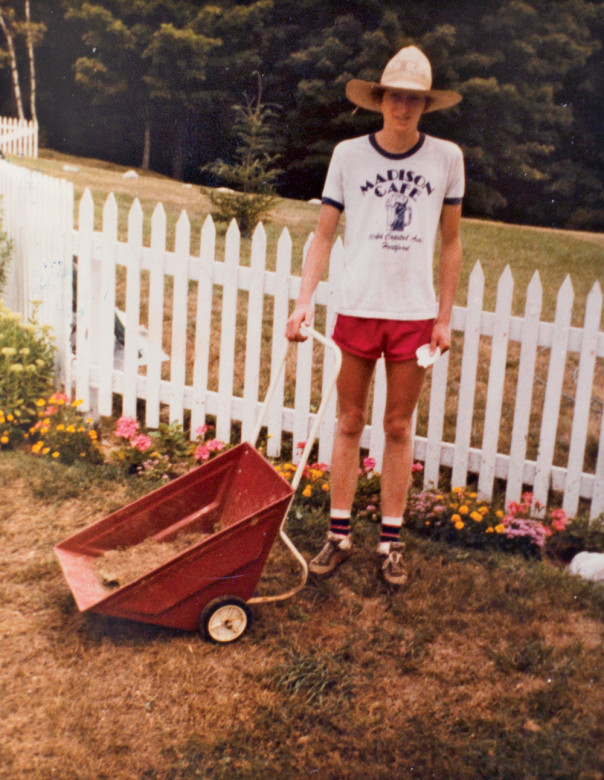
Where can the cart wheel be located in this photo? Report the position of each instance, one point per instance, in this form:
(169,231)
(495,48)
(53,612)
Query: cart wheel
(225,620)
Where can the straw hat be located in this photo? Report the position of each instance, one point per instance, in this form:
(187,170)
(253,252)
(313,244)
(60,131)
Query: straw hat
(407,71)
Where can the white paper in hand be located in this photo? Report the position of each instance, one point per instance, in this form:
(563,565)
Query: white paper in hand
(424,358)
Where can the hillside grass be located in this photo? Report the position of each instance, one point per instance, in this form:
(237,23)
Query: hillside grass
(485,666)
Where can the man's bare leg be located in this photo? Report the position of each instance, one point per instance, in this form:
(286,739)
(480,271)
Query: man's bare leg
(404,385)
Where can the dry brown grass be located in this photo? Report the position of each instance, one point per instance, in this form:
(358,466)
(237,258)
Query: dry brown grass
(486,666)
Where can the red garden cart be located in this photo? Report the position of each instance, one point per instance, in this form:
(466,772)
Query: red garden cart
(210,585)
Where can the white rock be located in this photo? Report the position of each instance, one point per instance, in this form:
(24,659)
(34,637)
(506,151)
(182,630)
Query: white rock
(130,175)
(315,201)
(71,168)
(589,565)
(224,189)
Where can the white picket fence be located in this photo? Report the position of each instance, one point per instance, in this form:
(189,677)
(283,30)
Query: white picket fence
(18,136)
(218,319)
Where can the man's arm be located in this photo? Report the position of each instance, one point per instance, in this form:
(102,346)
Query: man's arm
(315,266)
(449,266)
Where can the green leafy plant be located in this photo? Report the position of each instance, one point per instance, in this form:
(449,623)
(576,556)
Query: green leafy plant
(62,433)
(27,355)
(170,441)
(6,254)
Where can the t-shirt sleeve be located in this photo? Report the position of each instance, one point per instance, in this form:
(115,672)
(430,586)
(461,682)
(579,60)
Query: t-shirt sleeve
(333,190)
(456,180)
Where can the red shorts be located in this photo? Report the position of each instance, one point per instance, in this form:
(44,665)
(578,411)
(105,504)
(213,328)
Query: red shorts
(370,338)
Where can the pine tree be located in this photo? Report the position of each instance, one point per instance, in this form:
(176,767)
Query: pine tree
(252,173)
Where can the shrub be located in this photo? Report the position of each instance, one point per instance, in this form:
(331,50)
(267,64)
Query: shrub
(6,255)
(27,356)
(62,433)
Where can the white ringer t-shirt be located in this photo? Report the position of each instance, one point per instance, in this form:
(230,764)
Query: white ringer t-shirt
(393,205)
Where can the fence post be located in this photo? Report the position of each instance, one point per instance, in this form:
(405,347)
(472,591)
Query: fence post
(553,394)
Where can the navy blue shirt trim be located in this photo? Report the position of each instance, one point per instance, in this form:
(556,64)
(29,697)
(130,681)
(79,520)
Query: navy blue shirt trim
(330,202)
(384,153)
(452,201)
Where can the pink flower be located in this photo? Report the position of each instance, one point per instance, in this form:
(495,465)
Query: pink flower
(141,442)
(202,430)
(368,464)
(56,397)
(215,445)
(417,467)
(300,445)
(127,428)
(202,452)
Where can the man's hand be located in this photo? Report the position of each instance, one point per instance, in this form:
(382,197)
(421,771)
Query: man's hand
(301,315)
(441,337)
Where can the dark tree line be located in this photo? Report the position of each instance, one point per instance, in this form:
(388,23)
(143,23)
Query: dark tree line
(154,82)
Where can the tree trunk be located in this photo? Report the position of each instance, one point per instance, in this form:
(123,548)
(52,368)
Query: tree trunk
(32,65)
(13,65)
(177,154)
(146,162)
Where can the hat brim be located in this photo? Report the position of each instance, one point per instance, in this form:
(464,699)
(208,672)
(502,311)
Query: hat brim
(368,94)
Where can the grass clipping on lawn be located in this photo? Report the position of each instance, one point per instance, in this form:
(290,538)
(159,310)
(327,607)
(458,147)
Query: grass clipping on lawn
(123,565)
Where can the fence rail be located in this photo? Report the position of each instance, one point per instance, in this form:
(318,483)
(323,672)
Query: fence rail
(520,402)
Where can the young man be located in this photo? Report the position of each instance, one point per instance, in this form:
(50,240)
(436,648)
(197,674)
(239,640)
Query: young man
(399,188)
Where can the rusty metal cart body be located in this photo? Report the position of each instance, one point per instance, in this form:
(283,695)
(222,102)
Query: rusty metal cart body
(210,584)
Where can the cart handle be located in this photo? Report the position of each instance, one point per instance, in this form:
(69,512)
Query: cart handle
(328,344)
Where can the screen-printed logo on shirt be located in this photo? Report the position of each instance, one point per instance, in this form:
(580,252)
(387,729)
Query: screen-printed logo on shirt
(400,188)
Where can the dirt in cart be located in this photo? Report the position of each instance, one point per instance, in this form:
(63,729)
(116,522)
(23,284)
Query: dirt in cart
(118,567)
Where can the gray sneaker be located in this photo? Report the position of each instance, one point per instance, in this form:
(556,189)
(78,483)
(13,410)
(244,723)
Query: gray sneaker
(330,557)
(392,566)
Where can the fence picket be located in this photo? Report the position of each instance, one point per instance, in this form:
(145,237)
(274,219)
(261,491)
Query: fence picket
(107,307)
(597,501)
(436,420)
(227,333)
(587,363)
(274,417)
(178,357)
(467,384)
(524,389)
(499,349)
(378,407)
(553,393)
(326,429)
(203,329)
(133,297)
(302,393)
(156,314)
(84,299)
(253,340)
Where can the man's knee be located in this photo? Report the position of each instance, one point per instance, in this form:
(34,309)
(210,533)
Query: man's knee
(398,429)
(352,422)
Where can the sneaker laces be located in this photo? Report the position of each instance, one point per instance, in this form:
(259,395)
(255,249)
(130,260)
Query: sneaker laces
(393,561)
(331,545)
